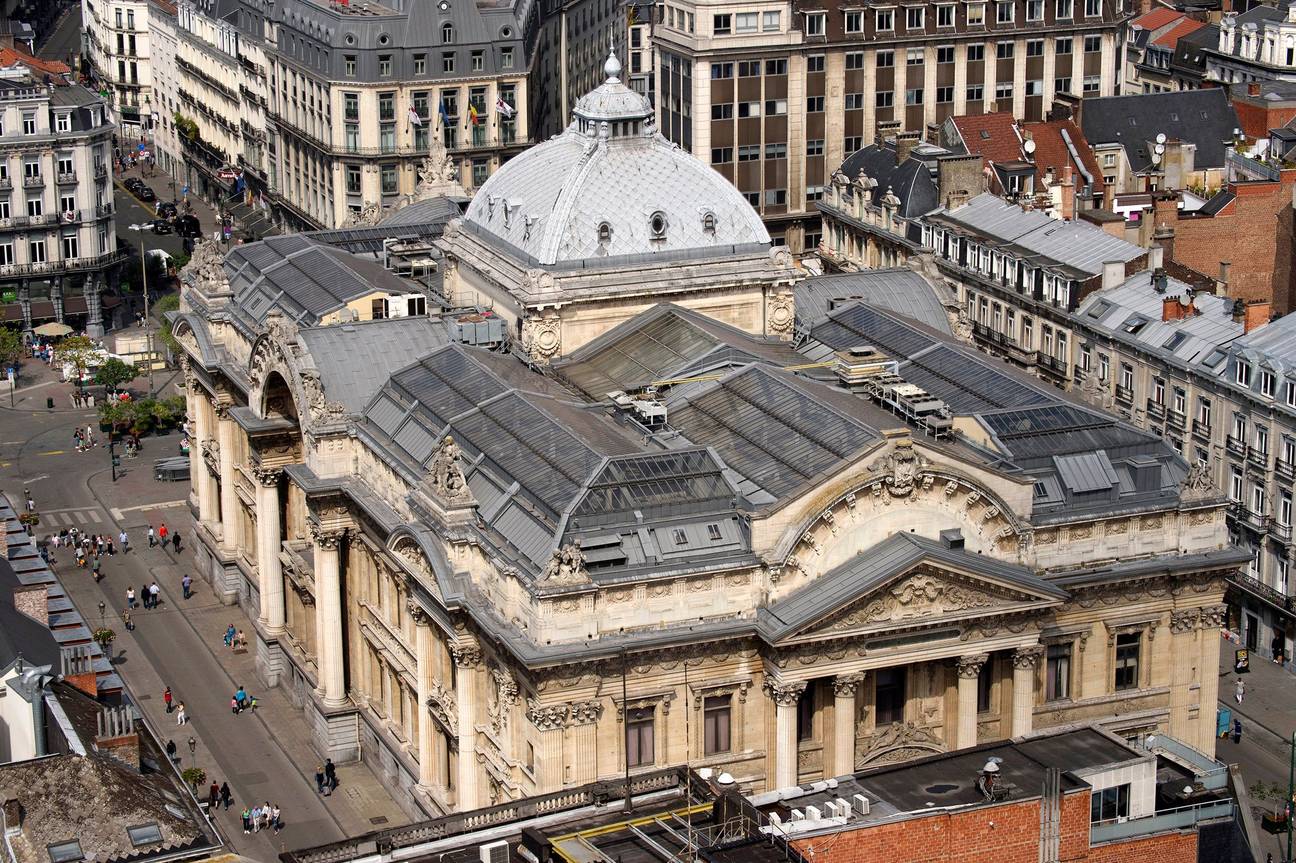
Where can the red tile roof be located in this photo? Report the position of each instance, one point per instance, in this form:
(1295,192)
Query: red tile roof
(10,56)
(1051,152)
(1177,32)
(1157,19)
(992,136)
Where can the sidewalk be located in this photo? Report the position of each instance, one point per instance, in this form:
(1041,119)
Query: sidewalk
(1270,699)
(266,756)
(246,219)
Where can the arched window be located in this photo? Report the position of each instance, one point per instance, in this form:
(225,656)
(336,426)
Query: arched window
(604,233)
(709,223)
(447,34)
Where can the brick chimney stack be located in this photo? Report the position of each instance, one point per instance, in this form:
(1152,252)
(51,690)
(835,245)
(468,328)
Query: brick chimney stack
(1068,194)
(117,736)
(1256,315)
(77,667)
(1253,88)
(1222,283)
(1173,310)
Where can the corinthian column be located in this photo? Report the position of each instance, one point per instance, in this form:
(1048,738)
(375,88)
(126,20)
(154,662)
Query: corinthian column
(1212,618)
(584,717)
(1025,661)
(969,669)
(228,496)
(845,689)
(549,721)
(271,575)
(328,615)
(467,658)
(202,432)
(785,696)
(1183,646)
(426,731)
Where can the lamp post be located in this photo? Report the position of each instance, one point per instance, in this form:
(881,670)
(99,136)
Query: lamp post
(148,330)
(102,609)
(193,749)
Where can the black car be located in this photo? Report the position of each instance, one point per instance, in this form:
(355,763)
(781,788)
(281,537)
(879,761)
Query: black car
(161,226)
(166,210)
(188,226)
(144,193)
(133,184)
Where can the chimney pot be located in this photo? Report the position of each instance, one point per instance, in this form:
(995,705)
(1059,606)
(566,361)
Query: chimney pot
(1253,88)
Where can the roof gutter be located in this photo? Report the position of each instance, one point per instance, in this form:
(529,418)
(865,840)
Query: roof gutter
(1075,157)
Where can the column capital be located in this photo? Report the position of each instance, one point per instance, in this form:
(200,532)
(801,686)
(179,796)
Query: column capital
(327,539)
(847,685)
(221,409)
(784,693)
(417,612)
(1184,619)
(266,477)
(586,712)
(466,654)
(1213,616)
(547,717)
(1028,656)
(969,666)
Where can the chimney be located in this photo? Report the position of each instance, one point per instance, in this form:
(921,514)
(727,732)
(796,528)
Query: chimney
(1068,194)
(1173,310)
(117,737)
(1222,283)
(1256,315)
(1253,89)
(33,601)
(1156,258)
(1113,274)
(958,179)
(885,129)
(905,143)
(77,667)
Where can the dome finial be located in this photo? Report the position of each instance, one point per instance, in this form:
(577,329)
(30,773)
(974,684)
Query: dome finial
(612,68)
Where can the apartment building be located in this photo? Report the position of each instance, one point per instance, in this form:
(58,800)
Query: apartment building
(776,94)
(166,86)
(1150,47)
(117,44)
(1257,45)
(57,239)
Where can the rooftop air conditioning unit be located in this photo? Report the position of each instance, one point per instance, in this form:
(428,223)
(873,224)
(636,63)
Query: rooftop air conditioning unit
(494,852)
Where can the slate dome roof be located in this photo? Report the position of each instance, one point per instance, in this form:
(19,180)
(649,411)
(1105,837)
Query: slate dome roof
(610,185)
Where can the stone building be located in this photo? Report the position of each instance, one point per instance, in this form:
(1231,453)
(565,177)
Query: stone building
(776,95)
(1256,45)
(659,533)
(117,40)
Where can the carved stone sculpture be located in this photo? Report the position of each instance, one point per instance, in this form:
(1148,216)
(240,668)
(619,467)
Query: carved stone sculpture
(780,313)
(786,693)
(969,667)
(206,267)
(367,216)
(900,468)
(542,337)
(1197,485)
(446,477)
(502,698)
(1027,657)
(566,567)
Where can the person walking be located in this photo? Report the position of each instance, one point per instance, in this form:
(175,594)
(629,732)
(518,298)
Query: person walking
(130,596)
(1237,730)
(240,696)
(1239,690)
(166,698)
(181,718)
(162,534)
(171,750)
(247,821)
(319,779)
(229,636)
(213,795)
(98,574)
(124,541)
(330,775)
(187,583)
(225,795)
(255,817)
(275,819)
(152,537)
(265,815)
(154,592)
(126,621)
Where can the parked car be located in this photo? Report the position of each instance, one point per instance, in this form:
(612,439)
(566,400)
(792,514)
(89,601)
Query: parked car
(188,226)
(144,193)
(161,226)
(133,184)
(167,210)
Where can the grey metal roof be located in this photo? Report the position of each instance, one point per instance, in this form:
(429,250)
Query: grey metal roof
(900,290)
(1203,117)
(302,278)
(20,636)
(1086,471)
(911,180)
(874,567)
(356,359)
(438,210)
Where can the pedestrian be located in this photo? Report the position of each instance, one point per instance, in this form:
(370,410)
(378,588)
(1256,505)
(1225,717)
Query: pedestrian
(1237,730)
(130,596)
(31,504)
(275,818)
(154,592)
(152,537)
(225,795)
(234,705)
(186,583)
(97,574)
(330,774)
(162,534)
(126,621)
(124,541)
(181,718)
(240,640)
(171,750)
(319,779)
(213,795)
(240,696)
(166,698)
(247,821)
(255,818)
(112,549)
(1239,690)
(175,541)
(265,815)
(229,636)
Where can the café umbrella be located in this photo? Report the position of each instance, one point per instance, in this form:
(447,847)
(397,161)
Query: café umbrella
(53,330)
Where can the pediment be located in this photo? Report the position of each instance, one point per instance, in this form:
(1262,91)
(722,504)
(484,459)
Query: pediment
(924,596)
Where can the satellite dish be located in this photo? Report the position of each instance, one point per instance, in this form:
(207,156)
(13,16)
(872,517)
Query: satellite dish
(1029,147)
(1159,149)
(1160,138)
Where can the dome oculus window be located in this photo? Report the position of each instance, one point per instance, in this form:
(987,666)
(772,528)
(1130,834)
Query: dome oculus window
(384,39)
(657,225)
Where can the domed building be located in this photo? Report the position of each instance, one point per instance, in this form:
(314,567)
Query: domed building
(602,221)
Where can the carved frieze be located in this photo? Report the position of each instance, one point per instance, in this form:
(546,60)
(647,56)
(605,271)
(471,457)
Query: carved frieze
(504,694)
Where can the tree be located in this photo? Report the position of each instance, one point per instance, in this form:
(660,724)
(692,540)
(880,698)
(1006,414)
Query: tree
(114,373)
(169,303)
(11,347)
(79,351)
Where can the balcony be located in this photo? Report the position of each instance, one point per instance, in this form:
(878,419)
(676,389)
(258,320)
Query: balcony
(1201,430)
(1259,589)
(67,265)
(1176,420)
(1180,818)
(1124,395)
(1253,521)
(1235,446)
(100,170)
(1279,531)
(1155,410)
(1052,364)
(103,210)
(1258,458)
(65,177)
(33,182)
(1285,469)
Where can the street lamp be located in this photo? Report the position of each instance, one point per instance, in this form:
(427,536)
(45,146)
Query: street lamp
(102,609)
(193,748)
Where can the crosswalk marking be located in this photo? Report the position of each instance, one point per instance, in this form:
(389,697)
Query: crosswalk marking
(69,517)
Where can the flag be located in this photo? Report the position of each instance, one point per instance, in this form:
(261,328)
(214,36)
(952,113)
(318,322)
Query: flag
(445,117)
(414,118)
(472,114)
(502,107)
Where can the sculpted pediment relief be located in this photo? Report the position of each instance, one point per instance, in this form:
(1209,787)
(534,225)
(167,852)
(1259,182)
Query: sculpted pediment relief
(923,596)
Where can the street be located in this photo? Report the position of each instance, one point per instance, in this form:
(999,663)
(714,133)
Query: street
(266,755)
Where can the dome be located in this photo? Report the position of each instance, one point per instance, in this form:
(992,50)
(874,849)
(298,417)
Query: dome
(609,185)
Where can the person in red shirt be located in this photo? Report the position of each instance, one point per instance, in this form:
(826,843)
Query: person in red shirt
(166,698)
(162,534)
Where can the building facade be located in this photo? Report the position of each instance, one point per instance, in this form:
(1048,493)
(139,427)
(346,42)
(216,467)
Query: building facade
(163,44)
(776,95)
(679,544)
(58,244)
(1256,45)
(117,44)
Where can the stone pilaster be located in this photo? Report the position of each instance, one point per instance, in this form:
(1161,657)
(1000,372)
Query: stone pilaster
(423,645)
(227,432)
(845,691)
(584,717)
(969,669)
(268,544)
(1025,661)
(467,659)
(328,615)
(1184,625)
(1212,619)
(785,696)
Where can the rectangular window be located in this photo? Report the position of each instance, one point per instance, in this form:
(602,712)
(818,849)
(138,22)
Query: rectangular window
(884,20)
(1235,484)
(1093,8)
(816,24)
(915,17)
(854,143)
(885,59)
(884,99)
(944,53)
(854,60)
(914,56)
(1092,44)
(1284,507)
(34,207)
(349,64)
(506,57)
(389,179)
(1127,660)
(420,62)
(721,155)
(745,22)
(1035,48)
(976,93)
(976,14)
(775,197)
(749,152)
(975,52)
(1109,804)
(1062,45)
(770,21)
(945,16)
(854,101)
(1057,683)
(944,95)
(722,25)
(640,737)
(448,61)
(815,104)
(1003,90)
(1064,9)
(477,60)
(815,63)
(36,251)
(776,67)
(776,151)
(384,65)
(1266,384)
(749,109)
(1005,12)
(71,248)
(1004,50)
(1034,10)
(914,96)
(1242,374)
(722,111)
(1257,499)
(815,147)
(721,71)
(29,124)
(353,179)
(889,696)
(1061,85)
(854,22)
(1090,84)
(715,724)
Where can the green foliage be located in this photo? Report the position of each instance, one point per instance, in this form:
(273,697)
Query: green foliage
(139,416)
(195,776)
(169,303)
(114,373)
(77,350)
(11,346)
(187,127)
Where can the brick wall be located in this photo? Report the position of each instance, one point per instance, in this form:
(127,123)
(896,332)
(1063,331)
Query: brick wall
(1008,833)
(1257,120)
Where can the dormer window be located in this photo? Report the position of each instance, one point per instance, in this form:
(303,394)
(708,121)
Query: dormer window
(709,224)
(1244,374)
(657,225)
(604,233)
(447,34)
